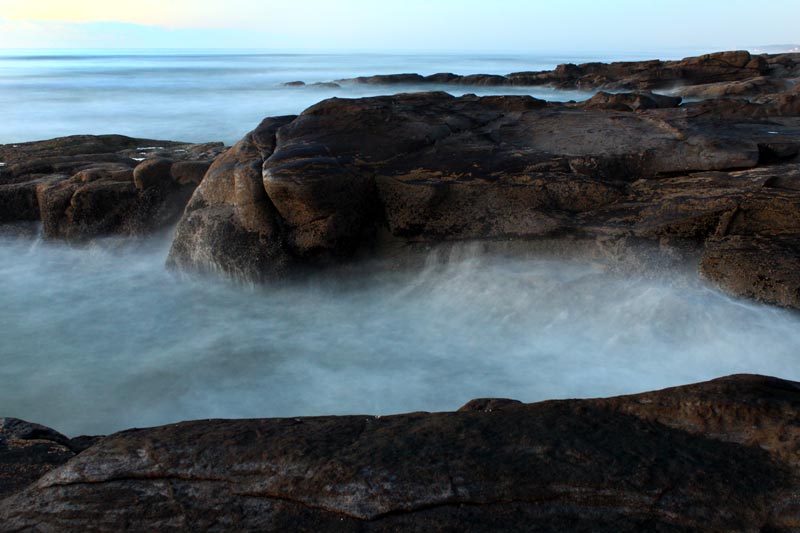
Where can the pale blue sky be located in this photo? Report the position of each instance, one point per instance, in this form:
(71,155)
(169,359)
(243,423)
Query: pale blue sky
(498,25)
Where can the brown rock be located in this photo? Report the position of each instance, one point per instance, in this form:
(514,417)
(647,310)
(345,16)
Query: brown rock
(366,174)
(189,172)
(631,101)
(751,87)
(85,186)
(718,68)
(766,269)
(27,452)
(230,225)
(153,172)
(716,456)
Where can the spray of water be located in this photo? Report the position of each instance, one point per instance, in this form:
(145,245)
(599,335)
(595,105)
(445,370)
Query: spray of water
(102,338)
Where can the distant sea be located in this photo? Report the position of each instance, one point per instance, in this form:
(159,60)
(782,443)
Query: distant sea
(213,95)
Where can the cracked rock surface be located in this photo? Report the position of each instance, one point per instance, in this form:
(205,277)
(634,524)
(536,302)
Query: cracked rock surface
(717,456)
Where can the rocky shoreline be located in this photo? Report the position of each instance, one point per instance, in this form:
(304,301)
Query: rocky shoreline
(722,74)
(715,456)
(716,179)
(713,182)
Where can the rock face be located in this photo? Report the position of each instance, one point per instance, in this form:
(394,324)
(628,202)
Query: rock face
(717,456)
(350,177)
(87,186)
(722,74)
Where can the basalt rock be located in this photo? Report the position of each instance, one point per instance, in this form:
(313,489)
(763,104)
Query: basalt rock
(87,186)
(716,456)
(364,176)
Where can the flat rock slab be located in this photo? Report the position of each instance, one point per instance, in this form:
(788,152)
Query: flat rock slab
(719,456)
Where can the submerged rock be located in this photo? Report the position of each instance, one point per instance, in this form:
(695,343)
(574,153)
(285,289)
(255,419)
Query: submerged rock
(363,176)
(88,186)
(718,456)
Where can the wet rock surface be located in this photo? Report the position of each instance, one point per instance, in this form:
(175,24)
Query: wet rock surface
(349,178)
(718,456)
(88,186)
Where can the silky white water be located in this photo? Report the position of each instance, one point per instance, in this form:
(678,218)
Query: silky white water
(103,338)
(214,95)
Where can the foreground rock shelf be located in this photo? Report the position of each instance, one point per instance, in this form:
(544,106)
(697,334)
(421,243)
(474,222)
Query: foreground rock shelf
(717,456)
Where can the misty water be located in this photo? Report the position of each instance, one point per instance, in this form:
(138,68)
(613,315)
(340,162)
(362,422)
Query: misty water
(201,96)
(100,338)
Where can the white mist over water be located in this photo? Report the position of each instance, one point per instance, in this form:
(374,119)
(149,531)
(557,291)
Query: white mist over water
(202,96)
(103,338)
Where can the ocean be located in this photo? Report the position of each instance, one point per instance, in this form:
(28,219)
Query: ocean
(98,338)
(202,96)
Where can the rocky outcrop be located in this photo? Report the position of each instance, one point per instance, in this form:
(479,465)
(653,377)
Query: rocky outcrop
(87,186)
(722,74)
(364,176)
(716,456)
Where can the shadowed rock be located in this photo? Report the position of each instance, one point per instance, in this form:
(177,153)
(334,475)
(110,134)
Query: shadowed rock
(719,456)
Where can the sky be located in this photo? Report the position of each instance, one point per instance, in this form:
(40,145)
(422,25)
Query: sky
(485,25)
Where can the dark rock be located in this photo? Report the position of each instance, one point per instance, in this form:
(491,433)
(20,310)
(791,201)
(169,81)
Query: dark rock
(153,172)
(294,84)
(487,405)
(388,79)
(743,88)
(716,75)
(19,201)
(716,456)
(230,224)
(766,269)
(486,80)
(326,85)
(631,101)
(27,452)
(79,188)
(350,177)
(442,77)
(189,172)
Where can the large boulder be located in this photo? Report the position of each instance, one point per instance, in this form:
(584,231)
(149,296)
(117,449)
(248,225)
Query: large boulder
(348,177)
(716,456)
(230,224)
